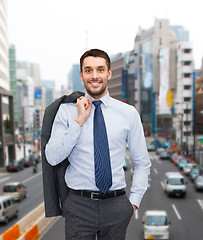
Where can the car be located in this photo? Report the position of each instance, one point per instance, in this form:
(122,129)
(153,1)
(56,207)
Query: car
(150,147)
(187,168)
(169,150)
(194,173)
(164,155)
(174,184)
(158,150)
(177,159)
(15,166)
(181,163)
(27,162)
(198,183)
(8,209)
(17,190)
(173,156)
(156,224)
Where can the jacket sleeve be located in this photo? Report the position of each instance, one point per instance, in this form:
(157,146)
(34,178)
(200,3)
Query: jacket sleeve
(51,198)
(54,186)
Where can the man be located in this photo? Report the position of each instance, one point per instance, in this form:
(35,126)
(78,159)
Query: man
(97,204)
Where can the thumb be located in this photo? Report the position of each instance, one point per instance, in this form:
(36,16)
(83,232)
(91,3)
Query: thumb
(90,102)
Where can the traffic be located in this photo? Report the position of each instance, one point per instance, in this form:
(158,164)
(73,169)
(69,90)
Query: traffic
(183,213)
(20,193)
(173,216)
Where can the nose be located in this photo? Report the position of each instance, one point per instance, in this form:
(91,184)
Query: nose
(94,74)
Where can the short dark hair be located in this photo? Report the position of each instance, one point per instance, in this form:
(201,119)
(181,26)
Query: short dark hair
(95,53)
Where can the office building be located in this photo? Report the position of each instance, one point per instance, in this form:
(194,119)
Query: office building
(49,87)
(31,69)
(7,129)
(74,82)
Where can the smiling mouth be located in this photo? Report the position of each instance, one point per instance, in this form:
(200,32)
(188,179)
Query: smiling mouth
(95,84)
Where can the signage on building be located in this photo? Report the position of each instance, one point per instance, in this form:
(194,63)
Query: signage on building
(165,95)
(38,93)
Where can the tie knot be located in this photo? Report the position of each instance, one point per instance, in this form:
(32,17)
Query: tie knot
(97,103)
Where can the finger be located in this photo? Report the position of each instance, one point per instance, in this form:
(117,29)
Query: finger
(90,101)
(80,98)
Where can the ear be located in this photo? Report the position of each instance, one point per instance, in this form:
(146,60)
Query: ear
(81,76)
(109,74)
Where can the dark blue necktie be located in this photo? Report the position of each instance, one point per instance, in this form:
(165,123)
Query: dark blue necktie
(103,176)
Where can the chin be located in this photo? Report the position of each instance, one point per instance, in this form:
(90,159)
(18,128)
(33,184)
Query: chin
(96,92)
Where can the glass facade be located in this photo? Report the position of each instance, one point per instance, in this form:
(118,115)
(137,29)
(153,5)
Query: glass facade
(13,84)
(131,81)
(74,81)
(146,82)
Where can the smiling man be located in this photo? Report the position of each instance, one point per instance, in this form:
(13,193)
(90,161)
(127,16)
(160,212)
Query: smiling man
(95,73)
(93,134)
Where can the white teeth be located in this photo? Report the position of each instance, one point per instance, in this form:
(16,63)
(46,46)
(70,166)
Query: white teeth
(95,84)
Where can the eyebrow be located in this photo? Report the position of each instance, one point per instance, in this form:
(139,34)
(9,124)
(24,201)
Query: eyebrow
(87,67)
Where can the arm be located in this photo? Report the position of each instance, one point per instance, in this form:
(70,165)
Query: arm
(65,134)
(137,146)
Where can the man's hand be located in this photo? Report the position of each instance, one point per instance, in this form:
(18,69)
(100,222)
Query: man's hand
(134,207)
(84,109)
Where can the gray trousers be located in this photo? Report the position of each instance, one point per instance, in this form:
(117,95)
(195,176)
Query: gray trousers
(107,219)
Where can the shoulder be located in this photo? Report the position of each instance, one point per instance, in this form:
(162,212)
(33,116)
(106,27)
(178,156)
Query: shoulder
(125,110)
(66,109)
(122,105)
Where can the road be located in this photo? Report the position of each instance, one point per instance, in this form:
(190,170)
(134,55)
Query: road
(185,214)
(33,182)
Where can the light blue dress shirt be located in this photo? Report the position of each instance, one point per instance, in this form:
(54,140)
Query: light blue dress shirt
(123,127)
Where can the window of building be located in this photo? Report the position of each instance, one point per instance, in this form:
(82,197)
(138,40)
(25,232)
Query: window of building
(141,60)
(160,41)
(187,123)
(187,133)
(160,25)
(187,111)
(187,99)
(186,63)
(187,75)
(187,87)
(12,74)
(187,50)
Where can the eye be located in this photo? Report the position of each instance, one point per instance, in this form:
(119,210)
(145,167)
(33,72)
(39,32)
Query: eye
(100,70)
(87,70)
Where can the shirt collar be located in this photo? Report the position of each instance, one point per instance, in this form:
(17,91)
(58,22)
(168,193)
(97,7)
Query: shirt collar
(105,99)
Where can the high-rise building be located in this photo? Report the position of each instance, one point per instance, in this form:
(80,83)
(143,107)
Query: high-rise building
(74,82)
(7,129)
(183,97)
(4,63)
(147,77)
(25,100)
(117,83)
(13,81)
(31,69)
(49,90)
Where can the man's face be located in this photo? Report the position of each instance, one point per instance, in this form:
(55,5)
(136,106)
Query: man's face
(95,75)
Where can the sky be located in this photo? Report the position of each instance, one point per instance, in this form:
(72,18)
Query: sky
(55,33)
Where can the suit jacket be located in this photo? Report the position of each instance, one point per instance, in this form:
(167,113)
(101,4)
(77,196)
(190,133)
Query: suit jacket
(54,186)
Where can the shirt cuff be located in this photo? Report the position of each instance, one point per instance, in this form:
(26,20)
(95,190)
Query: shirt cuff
(135,199)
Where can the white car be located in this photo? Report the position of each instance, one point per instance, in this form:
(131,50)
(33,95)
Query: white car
(174,184)
(156,224)
(17,190)
(8,209)
(187,168)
